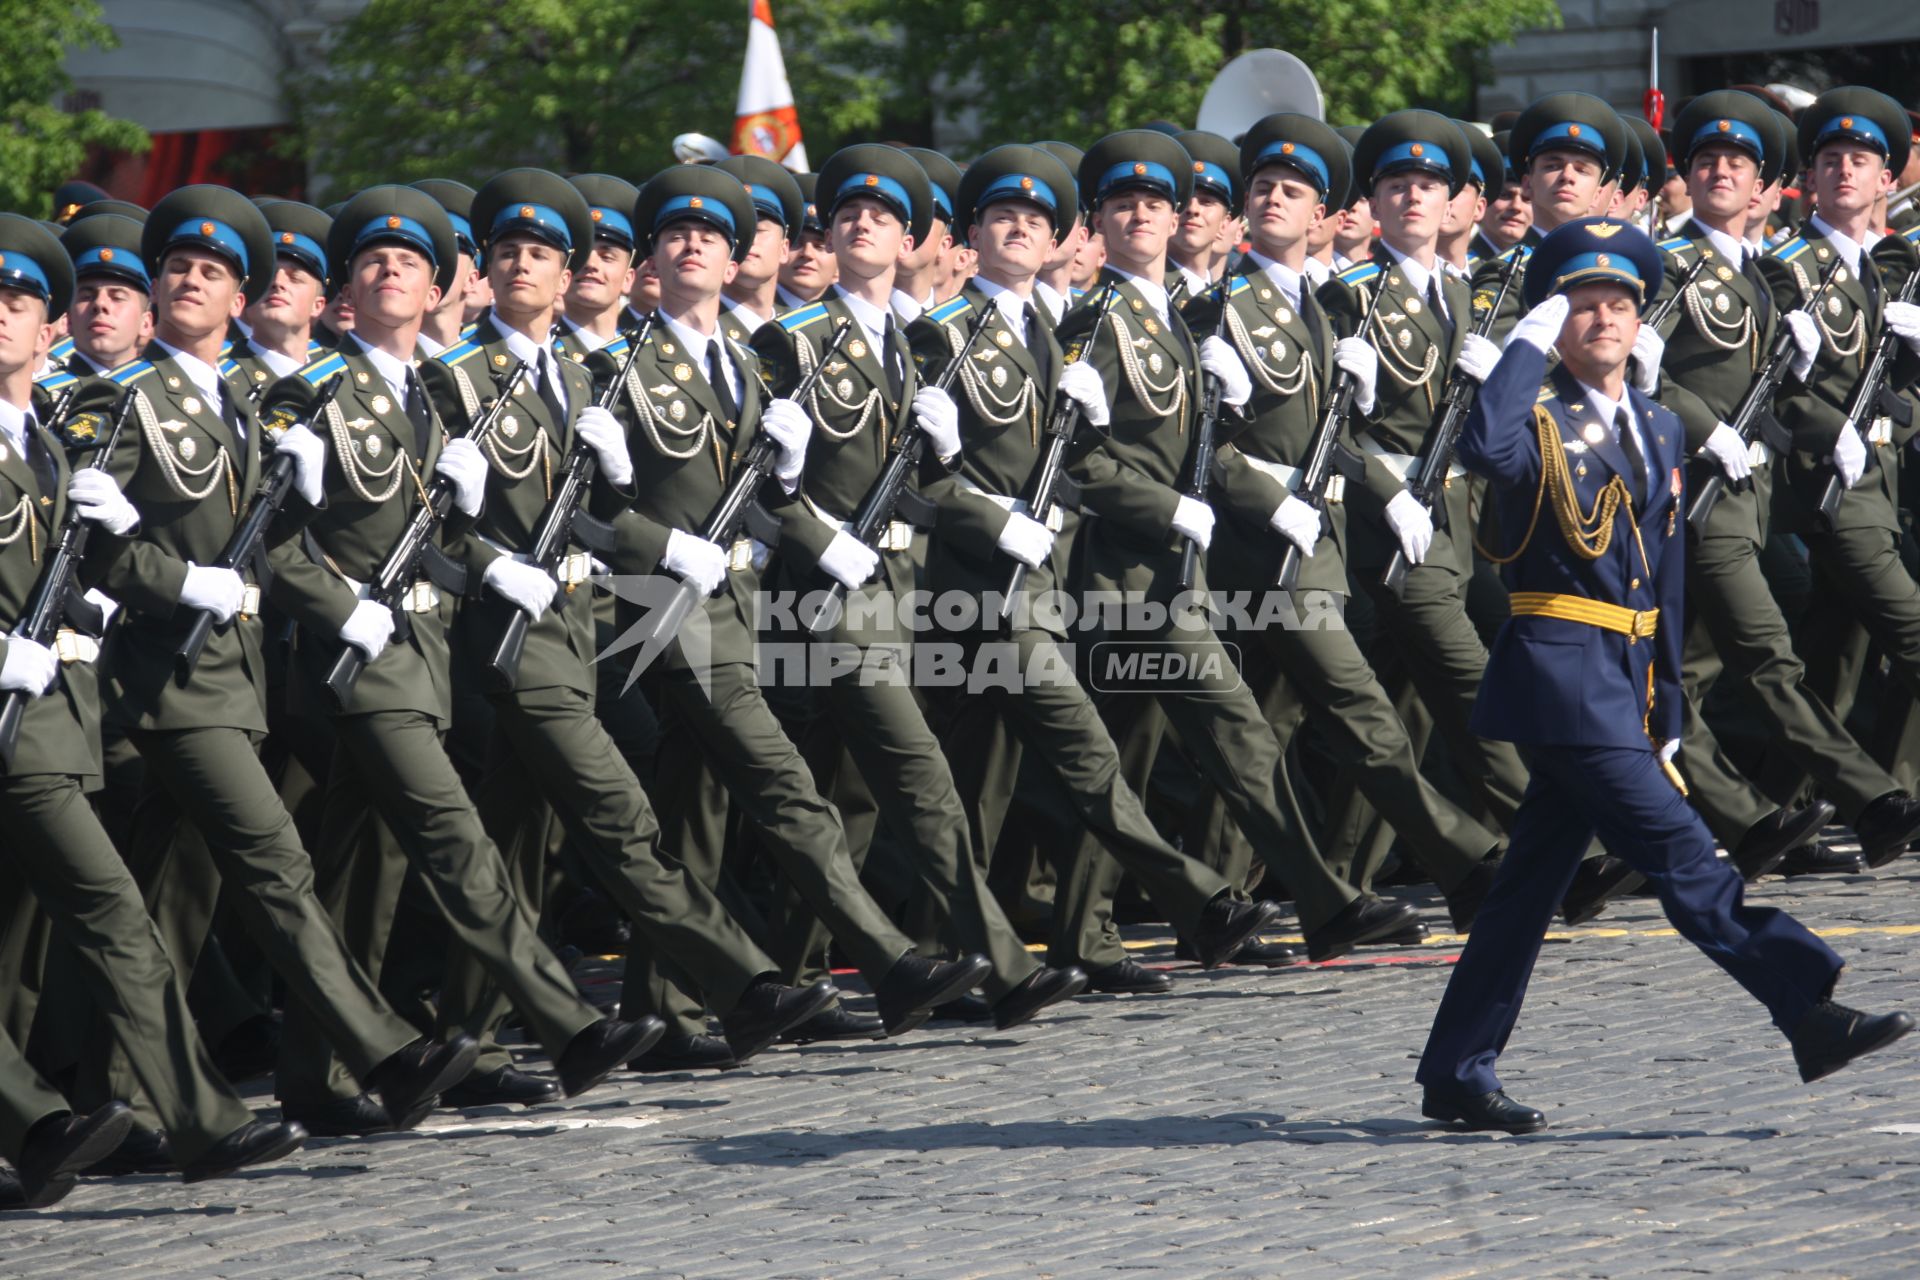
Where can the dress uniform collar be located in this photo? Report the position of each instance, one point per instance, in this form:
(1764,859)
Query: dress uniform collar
(524,348)
(1152,291)
(581,334)
(910,308)
(1848,249)
(1316,271)
(1012,307)
(748,316)
(93,366)
(1197,284)
(696,344)
(1053,304)
(871,318)
(13,424)
(282,365)
(198,371)
(1419,278)
(1284,278)
(788,299)
(1734,252)
(391,368)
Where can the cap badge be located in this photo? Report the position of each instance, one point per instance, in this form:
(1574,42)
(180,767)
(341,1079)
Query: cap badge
(1199,166)
(1286,148)
(206,228)
(1603,260)
(106,255)
(873,179)
(1026,184)
(597,214)
(1606,230)
(393,222)
(1725,125)
(1139,169)
(695,202)
(1846,122)
(526,211)
(1573,131)
(286,237)
(1418,150)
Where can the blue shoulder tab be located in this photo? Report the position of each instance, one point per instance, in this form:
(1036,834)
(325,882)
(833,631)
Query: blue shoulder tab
(800,317)
(325,367)
(466,334)
(229,367)
(1792,249)
(61,349)
(1674,244)
(131,371)
(1077,292)
(1359,273)
(618,347)
(951,309)
(458,351)
(1238,285)
(58,381)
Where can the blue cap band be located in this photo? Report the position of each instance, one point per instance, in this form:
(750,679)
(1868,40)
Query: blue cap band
(613,224)
(1583,268)
(394,226)
(1476,175)
(1414,155)
(1018,186)
(1300,156)
(537,218)
(106,258)
(1853,129)
(767,201)
(1212,175)
(20,271)
(879,187)
(1569,133)
(211,233)
(1137,173)
(705,208)
(1734,133)
(304,250)
(942,207)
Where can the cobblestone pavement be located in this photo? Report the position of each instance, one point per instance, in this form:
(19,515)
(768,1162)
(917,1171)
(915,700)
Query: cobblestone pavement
(1253,1123)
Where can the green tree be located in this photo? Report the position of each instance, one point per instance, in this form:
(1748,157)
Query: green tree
(464,88)
(41,145)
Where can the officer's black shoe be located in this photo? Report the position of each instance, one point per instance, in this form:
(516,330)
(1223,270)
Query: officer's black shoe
(141,1151)
(354,1117)
(1598,880)
(1044,986)
(250,1049)
(916,984)
(253,1143)
(837,1023)
(1822,859)
(1886,827)
(686,1053)
(591,1056)
(1408,935)
(1267,955)
(968,1008)
(1127,978)
(766,1009)
(59,1148)
(1365,919)
(501,1087)
(1832,1035)
(1463,904)
(421,1071)
(1226,926)
(1488,1111)
(1766,846)
(12,1194)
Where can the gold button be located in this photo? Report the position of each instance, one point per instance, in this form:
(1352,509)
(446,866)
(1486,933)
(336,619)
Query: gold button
(1635,584)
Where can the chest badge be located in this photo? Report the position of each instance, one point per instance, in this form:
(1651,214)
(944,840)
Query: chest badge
(677,411)
(373,446)
(1833,305)
(999,375)
(857,349)
(1153,362)
(1404,337)
(191,404)
(682,372)
(1264,332)
(1004,338)
(1279,349)
(1725,273)
(1283,315)
(510,425)
(500,359)
(845,388)
(1720,302)
(1413,306)
(381,404)
(1593,433)
(188,447)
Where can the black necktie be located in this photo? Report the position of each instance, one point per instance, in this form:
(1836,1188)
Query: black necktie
(550,392)
(1310,318)
(1440,313)
(1870,278)
(231,415)
(45,474)
(890,360)
(419,414)
(1630,445)
(717,376)
(1763,306)
(1037,348)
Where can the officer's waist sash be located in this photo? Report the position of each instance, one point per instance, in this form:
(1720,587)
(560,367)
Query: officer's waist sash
(1635,624)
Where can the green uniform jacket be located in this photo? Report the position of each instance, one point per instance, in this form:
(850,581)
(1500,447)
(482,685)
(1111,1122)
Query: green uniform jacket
(460,383)
(1290,357)
(685,451)
(251,368)
(375,473)
(1416,358)
(1486,283)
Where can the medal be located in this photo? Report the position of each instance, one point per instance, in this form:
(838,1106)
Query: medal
(676,411)
(1283,315)
(682,372)
(1153,362)
(1413,306)
(1593,433)
(856,349)
(845,388)
(1004,338)
(373,446)
(381,404)
(999,376)
(191,404)
(188,448)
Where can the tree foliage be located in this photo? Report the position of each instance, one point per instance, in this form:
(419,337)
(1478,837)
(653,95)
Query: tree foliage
(42,145)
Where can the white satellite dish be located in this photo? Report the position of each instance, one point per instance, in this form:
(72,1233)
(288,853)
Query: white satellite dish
(1255,85)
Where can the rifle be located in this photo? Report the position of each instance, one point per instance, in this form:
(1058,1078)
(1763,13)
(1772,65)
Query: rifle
(556,525)
(250,533)
(1062,425)
(1318,471)
(1203,432)
(1455,401)
(41,618)
(1865,396)
(723,523)
(1755,408)
(402,564)
(876,509)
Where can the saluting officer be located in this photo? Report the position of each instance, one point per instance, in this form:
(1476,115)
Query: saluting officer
(1587,474)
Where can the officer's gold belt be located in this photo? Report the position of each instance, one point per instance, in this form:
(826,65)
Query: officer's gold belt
(1634,624)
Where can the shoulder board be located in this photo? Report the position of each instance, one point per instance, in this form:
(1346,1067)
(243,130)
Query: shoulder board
(952,309)
(1547,392)
(800,317)
(57,381)
(325,367)
(468,332)
(617,349)
(61,349)
(131,372)
(1077,293)
(1791,249)
(1913,233)
(459,351)
(1359,273)
(1237,285)
(315,349)
(229,367)
(1675,244)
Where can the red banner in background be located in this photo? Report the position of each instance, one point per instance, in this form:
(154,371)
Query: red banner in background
(248,160)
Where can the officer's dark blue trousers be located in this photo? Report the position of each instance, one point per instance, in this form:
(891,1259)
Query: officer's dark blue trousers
(1623,795)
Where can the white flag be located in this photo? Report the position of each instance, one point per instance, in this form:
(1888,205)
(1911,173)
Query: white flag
(765,122)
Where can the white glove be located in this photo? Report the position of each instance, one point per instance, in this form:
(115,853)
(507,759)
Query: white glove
(1026,540)
(695,560)
(1668,750)
(1850,456)
(1356,358)
(105,603)
(1648,350)
(1904,319)
(601,430)
(1805,331)
(1193,519)
(788,426)
(1412,524)
(938,418)
(218,591)
(1081,383)
(521,584)
(309,454)
(1540,327)
(465,467)
(1218,358)
(1724,446)
(849,561)
(29,667)
(1298,523)
(99,499)
(1477,357)
(368,628)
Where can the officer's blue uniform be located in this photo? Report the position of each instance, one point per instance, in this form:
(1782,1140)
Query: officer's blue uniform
(1575,694)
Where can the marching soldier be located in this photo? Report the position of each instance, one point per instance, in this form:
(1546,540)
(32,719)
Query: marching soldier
(1053,288)
(277,331)
(1587,474)
(1197,254)
(752,297)
(924,270)
(810,268)
(447,320)
(1509,210)
(1486,168)
(112,316)
(596,307)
